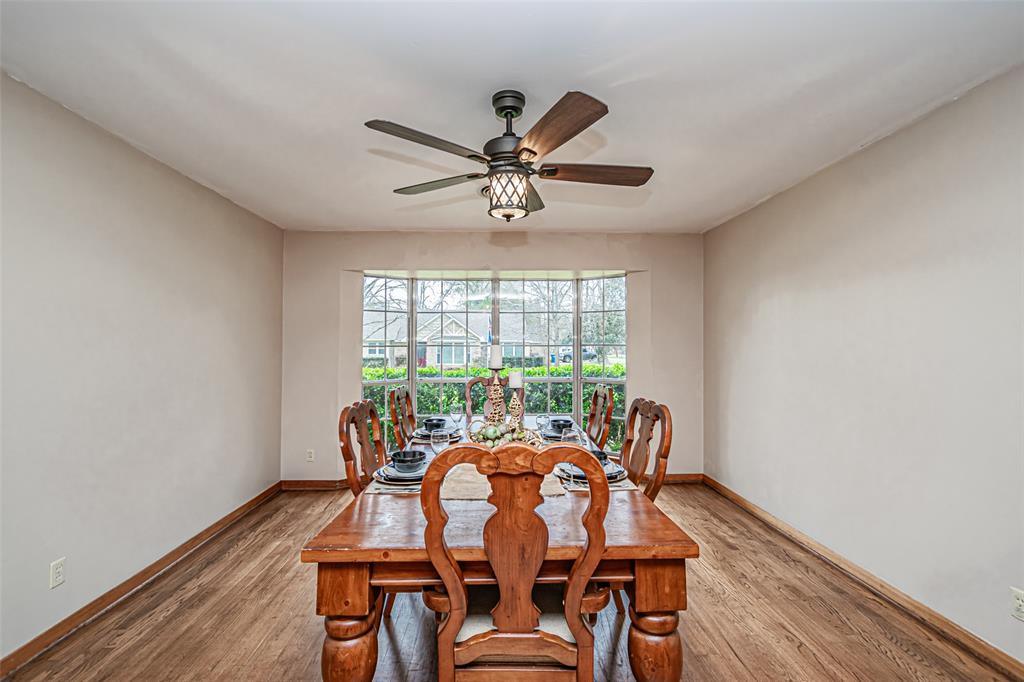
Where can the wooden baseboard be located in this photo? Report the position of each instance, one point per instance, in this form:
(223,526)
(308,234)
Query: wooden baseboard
(315,485)
(997,658)
(31,649)
(684,478)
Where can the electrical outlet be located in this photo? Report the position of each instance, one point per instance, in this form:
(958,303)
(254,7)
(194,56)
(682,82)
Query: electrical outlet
(57,572)
(310,455)
(1018,603)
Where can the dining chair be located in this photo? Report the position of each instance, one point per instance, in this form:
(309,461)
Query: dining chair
(403,416)
(599,421)
(644,417)
(515,630)
(483,381)
(359,424)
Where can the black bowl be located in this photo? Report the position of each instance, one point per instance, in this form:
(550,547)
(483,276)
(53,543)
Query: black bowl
(432,423)
(601,455)
(559,425)
(407,460)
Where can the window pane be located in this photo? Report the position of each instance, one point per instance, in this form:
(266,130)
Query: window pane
(614,361)
(511,327)
(428,295)
(453,394)
(562,364)
(620,400)
(615,436)
(398,328)
(510,295)
(535,293)
(479,294)
(561,296)
(615,293)
(615,328)
(398,294)
(535,362)
(373,293)
(378,395)
(454,295)
(478,360)
(373,365)
(536,328)
(479,325)
(428,361)
(560,329)
(428,327)
(398,362)
(454,329)
(512,357)
(373,327)
(591,294)
(536,397)
(561,398)
(428,399)
(592,328)
(592,367)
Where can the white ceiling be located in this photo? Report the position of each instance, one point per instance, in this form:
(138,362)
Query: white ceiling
(730,103)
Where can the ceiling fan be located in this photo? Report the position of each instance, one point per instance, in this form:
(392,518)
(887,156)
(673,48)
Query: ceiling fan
(509,158)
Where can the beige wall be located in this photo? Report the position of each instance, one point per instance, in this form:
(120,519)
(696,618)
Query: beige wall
(863,362)
(323,309)
(141,360)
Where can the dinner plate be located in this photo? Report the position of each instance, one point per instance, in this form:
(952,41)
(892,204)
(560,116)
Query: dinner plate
(392,476)
(423,434)
(612,470)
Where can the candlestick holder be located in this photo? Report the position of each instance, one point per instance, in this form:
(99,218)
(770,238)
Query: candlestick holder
(495,400)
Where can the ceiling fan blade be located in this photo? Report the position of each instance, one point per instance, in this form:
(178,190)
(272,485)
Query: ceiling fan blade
(570,116)
(533,200)
(633,176)
(439,184)
(425,139)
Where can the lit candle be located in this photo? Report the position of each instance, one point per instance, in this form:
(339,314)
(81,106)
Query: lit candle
(494,361)
(515,379)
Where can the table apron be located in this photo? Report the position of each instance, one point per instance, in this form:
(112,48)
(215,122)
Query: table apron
(348,589)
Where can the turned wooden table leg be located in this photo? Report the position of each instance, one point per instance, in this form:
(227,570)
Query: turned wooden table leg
(350,648)
(655,650)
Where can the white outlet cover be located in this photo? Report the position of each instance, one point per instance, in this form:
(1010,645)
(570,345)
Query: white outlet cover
(57,572)
(310,455)
(1018,603)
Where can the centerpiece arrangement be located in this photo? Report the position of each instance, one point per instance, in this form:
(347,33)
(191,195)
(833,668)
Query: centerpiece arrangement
(494,430)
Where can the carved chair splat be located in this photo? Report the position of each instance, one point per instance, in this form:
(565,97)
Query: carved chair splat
(403,416)
(519,635)
(644,417)
(359,424)
(602,403)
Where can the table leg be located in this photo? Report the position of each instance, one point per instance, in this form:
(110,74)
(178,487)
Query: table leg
(655,650)
(350,648)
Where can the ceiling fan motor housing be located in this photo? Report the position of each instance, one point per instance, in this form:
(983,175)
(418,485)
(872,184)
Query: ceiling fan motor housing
(508,102)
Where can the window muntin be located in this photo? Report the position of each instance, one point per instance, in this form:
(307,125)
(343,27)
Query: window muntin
(565,336)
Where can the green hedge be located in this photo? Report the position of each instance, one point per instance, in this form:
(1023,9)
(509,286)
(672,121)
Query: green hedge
(590,370)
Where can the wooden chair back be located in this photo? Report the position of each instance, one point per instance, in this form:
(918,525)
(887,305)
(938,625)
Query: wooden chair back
(359,424)
(599,422)
(515,540)
(482,383)
(644,416)
(403,417)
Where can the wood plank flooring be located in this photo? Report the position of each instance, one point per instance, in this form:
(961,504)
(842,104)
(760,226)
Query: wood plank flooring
(760,608)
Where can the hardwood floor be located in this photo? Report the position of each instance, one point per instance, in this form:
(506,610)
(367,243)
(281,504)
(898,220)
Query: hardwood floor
(760,608)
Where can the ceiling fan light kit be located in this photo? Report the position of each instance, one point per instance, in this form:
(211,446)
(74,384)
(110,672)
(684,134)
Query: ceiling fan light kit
(510,158)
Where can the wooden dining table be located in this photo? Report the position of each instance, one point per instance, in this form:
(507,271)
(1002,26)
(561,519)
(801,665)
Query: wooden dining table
(376,543)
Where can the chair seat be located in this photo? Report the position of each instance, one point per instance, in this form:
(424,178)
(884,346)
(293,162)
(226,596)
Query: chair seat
(548,599)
